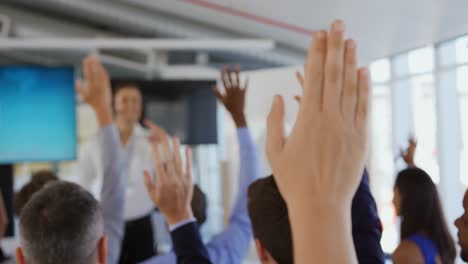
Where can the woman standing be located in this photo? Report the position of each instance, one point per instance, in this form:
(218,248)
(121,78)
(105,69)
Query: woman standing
(138,243)
(425,237)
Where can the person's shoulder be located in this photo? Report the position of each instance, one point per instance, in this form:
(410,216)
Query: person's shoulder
(408,252)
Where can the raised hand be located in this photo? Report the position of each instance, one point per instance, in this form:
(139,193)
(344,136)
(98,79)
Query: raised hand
(96,89)
(234,97)
(408,156)
(318,168)
(156,133)
(173,191)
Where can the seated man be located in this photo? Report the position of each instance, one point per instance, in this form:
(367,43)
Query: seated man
(63,223)
(231,246)
(272,231)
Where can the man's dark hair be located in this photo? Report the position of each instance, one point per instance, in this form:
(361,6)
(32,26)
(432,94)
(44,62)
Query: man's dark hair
(38,181)
(270,219)
(62,223)
(199,205)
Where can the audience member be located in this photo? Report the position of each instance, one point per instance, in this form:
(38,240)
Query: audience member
(37,182)
(272,230)
(63,223)
(231,246)
(138,243)
(425,237)
(319,166)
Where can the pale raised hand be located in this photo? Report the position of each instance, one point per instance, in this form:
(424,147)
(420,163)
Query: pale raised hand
(318,168)
(173,190)
(96,89)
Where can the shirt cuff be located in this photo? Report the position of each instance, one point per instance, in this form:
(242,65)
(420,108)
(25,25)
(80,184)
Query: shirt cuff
(182,223)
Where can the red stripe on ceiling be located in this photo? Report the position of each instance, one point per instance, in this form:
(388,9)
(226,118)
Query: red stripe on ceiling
(249,16)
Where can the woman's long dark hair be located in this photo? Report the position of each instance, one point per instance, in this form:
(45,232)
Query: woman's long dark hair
(421,211)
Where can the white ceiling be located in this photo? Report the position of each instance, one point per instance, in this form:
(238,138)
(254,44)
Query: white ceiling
(381,27)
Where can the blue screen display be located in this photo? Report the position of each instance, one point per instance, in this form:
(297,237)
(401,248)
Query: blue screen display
(37,114)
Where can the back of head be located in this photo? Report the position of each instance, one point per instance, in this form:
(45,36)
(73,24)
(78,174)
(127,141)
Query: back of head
(270,219)
(62,223)
(421,211)
(38,181)
(199,205)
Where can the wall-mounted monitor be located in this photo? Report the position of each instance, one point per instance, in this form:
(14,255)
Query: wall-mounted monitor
(37,114)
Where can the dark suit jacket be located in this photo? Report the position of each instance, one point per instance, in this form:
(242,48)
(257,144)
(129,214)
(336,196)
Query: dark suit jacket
(367,232)
(367,228)
(188,245)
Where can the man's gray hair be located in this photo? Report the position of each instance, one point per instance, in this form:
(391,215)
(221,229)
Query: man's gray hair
(62,223)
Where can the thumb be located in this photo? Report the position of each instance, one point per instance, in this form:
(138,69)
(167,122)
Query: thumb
(275,129)
(80,89)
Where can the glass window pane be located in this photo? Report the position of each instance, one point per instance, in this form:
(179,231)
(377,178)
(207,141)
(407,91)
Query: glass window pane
(425,126)
(446,54)
(462,79)
(400,65)
(462,76)
(462,49)
(381,163)
(421,60)
(380,71)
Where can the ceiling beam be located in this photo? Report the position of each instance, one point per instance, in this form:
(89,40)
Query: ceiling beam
(136,44)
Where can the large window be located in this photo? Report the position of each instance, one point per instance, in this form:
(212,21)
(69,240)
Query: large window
(425,126)
(381,160)
(408,101)
(462,85)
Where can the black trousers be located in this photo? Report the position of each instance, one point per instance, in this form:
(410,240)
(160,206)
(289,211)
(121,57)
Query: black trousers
(138,243)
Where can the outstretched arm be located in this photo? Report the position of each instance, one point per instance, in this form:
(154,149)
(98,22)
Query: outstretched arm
(233,243)
(172,194)
(367,228)
(97,92)
(319,166)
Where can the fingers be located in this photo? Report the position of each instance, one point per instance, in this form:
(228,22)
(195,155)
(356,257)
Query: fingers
(314,70)
(333,83)
(158,164)
(226,78)
(188,165)
(300,79)
(362,109)
(87,70)
(169,162)
(275,129)
(350,88)
(101,75)
(236,80)
(176,156)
